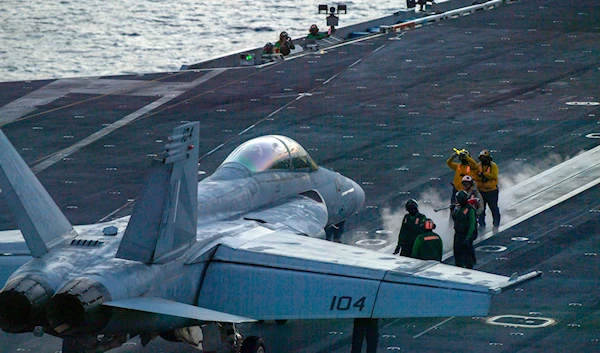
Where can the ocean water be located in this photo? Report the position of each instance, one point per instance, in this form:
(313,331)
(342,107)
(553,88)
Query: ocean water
(42,39)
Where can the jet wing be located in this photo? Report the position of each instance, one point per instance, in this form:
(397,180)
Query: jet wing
(170,308)
(275,274)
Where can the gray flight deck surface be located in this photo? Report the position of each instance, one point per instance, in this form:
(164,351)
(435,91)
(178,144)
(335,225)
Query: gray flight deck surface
(385,111)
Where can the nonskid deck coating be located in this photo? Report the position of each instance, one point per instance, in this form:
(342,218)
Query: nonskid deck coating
(388,116)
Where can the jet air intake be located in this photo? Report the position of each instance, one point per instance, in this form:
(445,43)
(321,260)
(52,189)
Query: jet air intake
(77,308)
(22,304)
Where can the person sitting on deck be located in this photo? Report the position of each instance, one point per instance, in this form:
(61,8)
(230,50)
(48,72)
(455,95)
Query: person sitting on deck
(284,45)
(314,34)
(267,52)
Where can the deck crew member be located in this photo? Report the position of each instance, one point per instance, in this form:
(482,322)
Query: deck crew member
(267,52)
(314,34)
(284,45)
(474,196)
(365,328)
(466,166)
(428,245)
(487,182)
(465,221)
(268,49)
(412,226)
(334,232)
(476,201)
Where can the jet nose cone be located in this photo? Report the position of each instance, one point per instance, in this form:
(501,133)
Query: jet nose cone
(360,195)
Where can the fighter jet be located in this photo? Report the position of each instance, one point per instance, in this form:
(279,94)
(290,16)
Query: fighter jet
(195,258)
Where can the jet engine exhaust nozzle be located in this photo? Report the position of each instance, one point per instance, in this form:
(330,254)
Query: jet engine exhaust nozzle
(77,308)
(22,304)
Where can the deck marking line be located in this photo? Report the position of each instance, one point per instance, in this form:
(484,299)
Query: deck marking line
(115,211)
(355,63)
(18,109)
(331,78)
(433,327)
(376,50)
(59,155)
(246,129)
(277,110)
(215,149)
(391,323)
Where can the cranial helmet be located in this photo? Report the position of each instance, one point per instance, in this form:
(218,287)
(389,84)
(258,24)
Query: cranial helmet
(461,197)
(485,155)
(268,48)
(428,225)
(412,207)
(314,29)
(467,179)
(412,203)
(283,34)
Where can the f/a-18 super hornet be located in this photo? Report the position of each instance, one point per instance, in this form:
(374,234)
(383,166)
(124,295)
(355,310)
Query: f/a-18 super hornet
(195,258)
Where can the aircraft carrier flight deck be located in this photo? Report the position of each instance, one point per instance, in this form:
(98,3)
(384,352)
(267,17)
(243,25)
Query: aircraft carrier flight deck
(385,109)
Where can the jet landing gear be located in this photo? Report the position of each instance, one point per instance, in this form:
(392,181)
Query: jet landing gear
(217,337)
(253,344)
(92,343)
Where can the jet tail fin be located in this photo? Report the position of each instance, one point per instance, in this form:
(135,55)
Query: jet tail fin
(164,219)
(42,223)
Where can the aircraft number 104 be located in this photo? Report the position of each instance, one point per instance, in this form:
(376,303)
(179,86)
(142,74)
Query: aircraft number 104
(187,134)
(346,303)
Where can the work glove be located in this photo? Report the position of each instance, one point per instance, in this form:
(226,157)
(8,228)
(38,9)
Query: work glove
(467,242)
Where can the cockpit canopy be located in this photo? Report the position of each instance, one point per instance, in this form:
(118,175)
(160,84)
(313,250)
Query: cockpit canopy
(273,152)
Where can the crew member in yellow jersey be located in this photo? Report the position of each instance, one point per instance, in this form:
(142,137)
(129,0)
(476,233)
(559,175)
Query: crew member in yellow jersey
(466,166)
(487,183)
